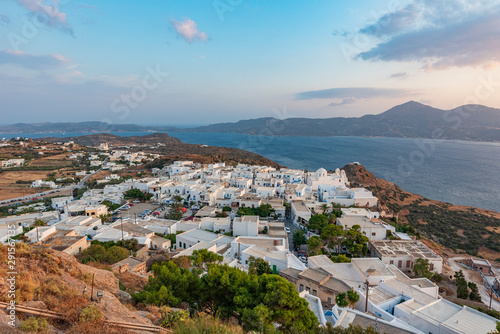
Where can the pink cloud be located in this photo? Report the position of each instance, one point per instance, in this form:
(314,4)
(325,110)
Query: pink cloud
(49,14)
(188,31)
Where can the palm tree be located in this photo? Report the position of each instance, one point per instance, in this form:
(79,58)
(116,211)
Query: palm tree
(324,207)
(104,218)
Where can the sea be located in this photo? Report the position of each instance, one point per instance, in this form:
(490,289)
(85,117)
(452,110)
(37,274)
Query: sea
(457,172)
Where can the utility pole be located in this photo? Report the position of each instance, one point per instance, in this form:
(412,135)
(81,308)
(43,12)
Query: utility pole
(491,296)
(122,226)
(135,216)
(366,301)
(92,290)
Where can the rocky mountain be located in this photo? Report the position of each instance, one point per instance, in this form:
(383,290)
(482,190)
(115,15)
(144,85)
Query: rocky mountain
(409,120)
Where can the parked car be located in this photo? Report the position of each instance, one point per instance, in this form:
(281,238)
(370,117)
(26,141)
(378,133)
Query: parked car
(136,201)
(287,229)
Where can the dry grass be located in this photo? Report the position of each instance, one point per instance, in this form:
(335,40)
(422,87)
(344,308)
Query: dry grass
(10,177)
(54,160)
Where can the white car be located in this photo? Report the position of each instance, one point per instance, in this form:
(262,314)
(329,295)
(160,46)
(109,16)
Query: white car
(287,229)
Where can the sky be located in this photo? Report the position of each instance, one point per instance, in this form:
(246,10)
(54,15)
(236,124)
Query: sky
(164,62)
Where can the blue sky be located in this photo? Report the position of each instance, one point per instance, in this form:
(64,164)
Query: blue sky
(227,60)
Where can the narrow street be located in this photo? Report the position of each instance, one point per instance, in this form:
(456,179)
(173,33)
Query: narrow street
(293,228)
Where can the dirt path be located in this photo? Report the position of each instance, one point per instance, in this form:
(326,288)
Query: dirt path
(473,276)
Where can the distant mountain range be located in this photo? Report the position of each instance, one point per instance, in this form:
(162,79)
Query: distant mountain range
(409,120)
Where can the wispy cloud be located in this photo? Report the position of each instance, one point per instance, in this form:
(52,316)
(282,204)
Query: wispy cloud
(438,33)
(399,75)
(350,95)
(4,19)
(352,92)
(349,100)
(188,30)
(48,14)
(32,61)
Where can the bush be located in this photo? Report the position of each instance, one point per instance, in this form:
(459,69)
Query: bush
(90,313)
(35,325)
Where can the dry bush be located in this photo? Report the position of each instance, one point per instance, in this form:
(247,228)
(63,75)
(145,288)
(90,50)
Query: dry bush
(95,327)
(59,297)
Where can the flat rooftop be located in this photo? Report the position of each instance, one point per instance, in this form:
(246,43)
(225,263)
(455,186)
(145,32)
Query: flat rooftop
(59,241)
(398,248)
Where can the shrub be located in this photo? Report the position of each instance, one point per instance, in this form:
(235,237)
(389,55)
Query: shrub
(91,313)
(35,325)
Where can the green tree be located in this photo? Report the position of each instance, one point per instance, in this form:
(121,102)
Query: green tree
(115,254)
(134,193)
(421,268)
(264,210)
(104,218)
(244,211)
(94,253)
(352,297)
(324,208)
(317,223)
(202,257)
(315,245)
(462,290)
(356,242)
(39,222)
(474,292)
(259,266)
(333,236)
(299,238)
(175,212)
(341,300)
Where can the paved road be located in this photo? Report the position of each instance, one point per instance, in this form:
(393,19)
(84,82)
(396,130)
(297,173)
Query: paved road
(293,228)
(52,192)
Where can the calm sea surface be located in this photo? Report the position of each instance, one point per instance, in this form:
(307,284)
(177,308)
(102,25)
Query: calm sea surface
(458,172)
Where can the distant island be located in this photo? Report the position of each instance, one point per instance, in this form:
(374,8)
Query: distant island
(408,120)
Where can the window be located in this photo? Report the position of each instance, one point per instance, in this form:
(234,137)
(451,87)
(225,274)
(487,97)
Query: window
(431,266)
(315,293)
(329,300)
(400,263)
(408,264)
(308,289)
(391,262)
(301,288)
(374,234)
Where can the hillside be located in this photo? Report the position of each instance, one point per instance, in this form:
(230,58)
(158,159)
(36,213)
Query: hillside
(77,127)
(171,148)
(409,120)
(462,228)
(54,281)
